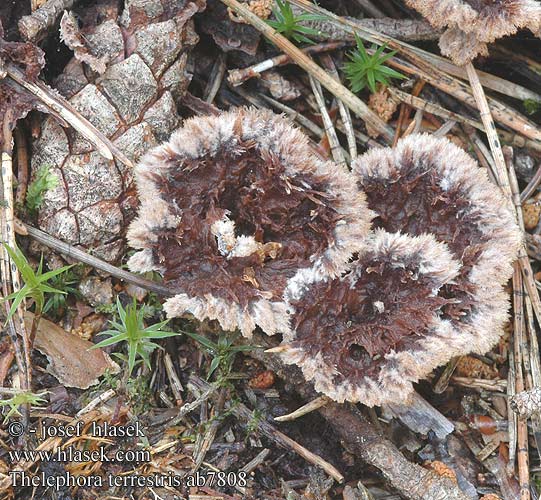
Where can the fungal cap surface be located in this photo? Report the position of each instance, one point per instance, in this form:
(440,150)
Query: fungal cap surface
(430,185)
(367,336)
(232,207)
(472,24)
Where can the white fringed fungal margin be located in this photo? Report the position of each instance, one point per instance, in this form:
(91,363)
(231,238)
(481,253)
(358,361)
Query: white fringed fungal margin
(232,208)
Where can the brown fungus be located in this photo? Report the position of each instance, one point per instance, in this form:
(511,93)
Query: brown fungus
(235,206)
(369,334)
(472,24)
(430,185)
(428,286)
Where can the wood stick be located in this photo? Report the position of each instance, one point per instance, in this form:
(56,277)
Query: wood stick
(490,129)
(216,77)
(442,112)
(522,429)
(504,182)
(313,405)
(489,81)
(242,412)
(305,62)
(11,280)
(336,149)
(84,257)
(368,7)
(329,65)
(239,76)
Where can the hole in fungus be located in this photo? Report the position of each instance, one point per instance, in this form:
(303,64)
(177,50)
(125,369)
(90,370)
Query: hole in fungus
(357,352)
(258,199)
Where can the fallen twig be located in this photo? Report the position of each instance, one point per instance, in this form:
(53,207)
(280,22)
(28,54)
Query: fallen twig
(369,8)
(329,65)
(243,413)
(313,405)
(80,256)
(8,270)
(215,79)
(300,58)
(58,106)
(239,76)
(435,109)
(332,137)
(522,428)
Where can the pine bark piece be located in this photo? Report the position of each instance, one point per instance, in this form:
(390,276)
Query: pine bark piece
(140,60)
(234,207)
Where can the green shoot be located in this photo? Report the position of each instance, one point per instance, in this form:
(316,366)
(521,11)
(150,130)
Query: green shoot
(21,399)
(367,70)
(531,106)
(288,24)
(56,302)
(35,282)
(43,182)
(253,424)
(223,353)
(132,330)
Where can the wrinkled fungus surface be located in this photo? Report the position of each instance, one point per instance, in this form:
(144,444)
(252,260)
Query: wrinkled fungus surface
(436,188)
(348,332)
(233,207)
(428,286)
(292,220)
(472,24)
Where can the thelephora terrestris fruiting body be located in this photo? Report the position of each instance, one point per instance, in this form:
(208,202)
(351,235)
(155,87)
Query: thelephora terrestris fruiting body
(233,207)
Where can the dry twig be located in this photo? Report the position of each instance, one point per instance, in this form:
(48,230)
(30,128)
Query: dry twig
(336,149)
(239,76)
(243,413)
(329,65)
(61,108)
(338,90)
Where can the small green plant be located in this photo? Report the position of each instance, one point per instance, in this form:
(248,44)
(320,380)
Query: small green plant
(109,309)
(364,69)
(253,424)
(36,283)
(139,394)
(132,330)
(531,106)
(289,24)
(21,399)
(223,353)
(56,302)
(43,182)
